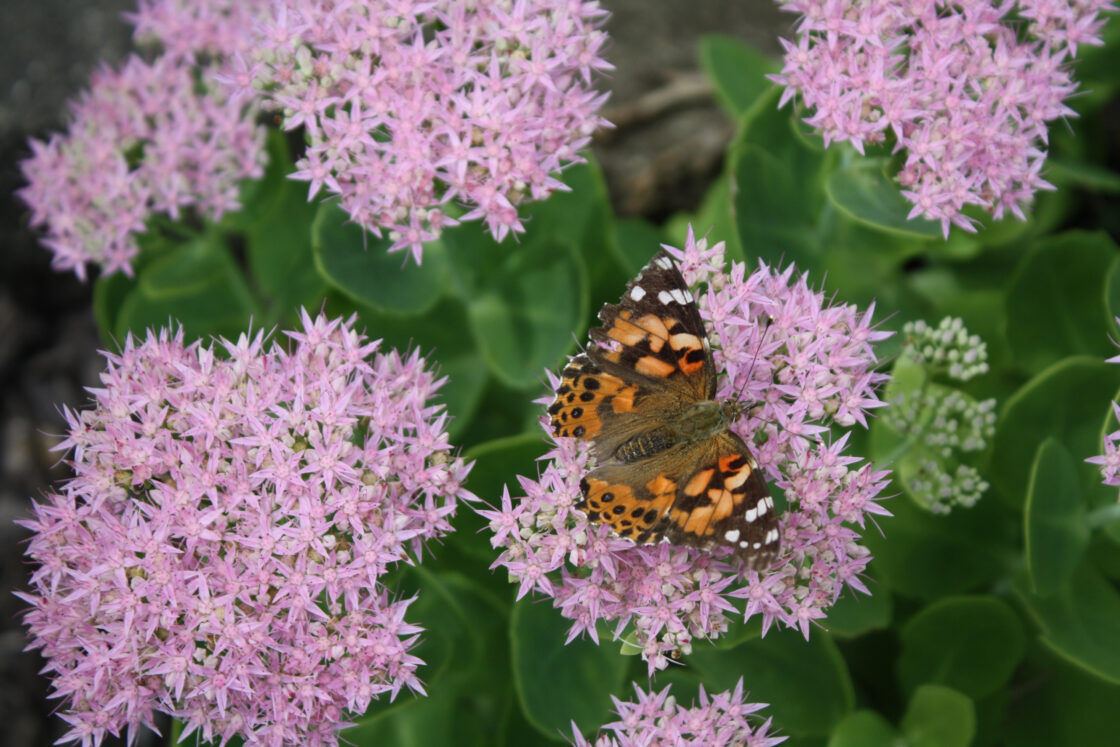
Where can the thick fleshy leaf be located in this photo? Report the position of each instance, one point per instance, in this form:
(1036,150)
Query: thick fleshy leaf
(737,71)
(1064,705)
(556,683)
(358,265)
(714,219)
(1054,526)
(581,218)
(444,337)
(939,716)
(498,462)
(276,224)
(1081,621)
(1056,304)
(927,556)
(197,285)
(864,728)
(806,683)
(523,314)
(972,644)
(862,190)
(1066,402)
(636,240)
(855,613)
(464,628)
(776,189)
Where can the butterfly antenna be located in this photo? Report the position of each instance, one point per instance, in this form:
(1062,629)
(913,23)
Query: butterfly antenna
(765,323)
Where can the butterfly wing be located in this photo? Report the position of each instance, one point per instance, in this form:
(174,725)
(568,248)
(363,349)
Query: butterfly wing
(655,334)
(657,362)
(704,495)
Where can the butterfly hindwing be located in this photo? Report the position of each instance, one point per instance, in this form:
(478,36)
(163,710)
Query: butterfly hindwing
(701,495)
(724,500)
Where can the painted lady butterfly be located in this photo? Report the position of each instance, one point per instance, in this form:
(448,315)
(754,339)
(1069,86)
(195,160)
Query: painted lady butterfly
(668,466)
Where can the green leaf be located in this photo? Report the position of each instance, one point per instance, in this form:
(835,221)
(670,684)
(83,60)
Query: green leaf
(712,219)
(927,556)
(1054,519)
(525,310)
(864,728)
(1060,704)
(498,462)
(197,285)
(276,222)
(862,190)
(737,70)
(463,675)
(855,613)
(637,240)
(1082,174)
(1081,622)
(109,295)
(777,187)
(939,716)
(1065,402)
(1056,305)
(558,683)
(360,266)
(972,644)
(806,683)
(1112,291)
(444,337)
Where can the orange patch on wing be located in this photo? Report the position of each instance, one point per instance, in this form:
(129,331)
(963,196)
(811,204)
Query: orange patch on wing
(626,331)
(575,411)
(723,503)
(650,366)
(699,521)
(632,332)
(698,482)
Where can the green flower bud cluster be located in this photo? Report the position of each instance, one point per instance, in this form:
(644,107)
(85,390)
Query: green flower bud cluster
(947,349)
(941,423)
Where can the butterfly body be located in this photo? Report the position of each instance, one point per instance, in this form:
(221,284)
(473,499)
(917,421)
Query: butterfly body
(668,466)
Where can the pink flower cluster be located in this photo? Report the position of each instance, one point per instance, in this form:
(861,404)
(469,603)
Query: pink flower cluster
(409,104)
(147,139)
(657,720)
(810,367)
(966,88)
(190,29)
(1109,462)
(218,555)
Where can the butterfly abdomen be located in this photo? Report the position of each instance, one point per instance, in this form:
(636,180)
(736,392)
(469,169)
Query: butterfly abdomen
(644,445)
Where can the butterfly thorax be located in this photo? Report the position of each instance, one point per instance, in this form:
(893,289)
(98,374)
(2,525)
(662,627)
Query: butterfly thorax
(700,422)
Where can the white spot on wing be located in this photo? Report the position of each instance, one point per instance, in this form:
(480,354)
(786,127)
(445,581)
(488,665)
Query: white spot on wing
(752,514)
(732,535)
(664,263)
(744,543)
(678,296)
(637,293)
(771,536)
(664,297)
(761,508)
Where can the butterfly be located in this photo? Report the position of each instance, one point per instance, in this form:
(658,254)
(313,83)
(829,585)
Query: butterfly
(667,466)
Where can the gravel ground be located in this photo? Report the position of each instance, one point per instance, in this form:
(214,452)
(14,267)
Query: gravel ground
(48,340)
